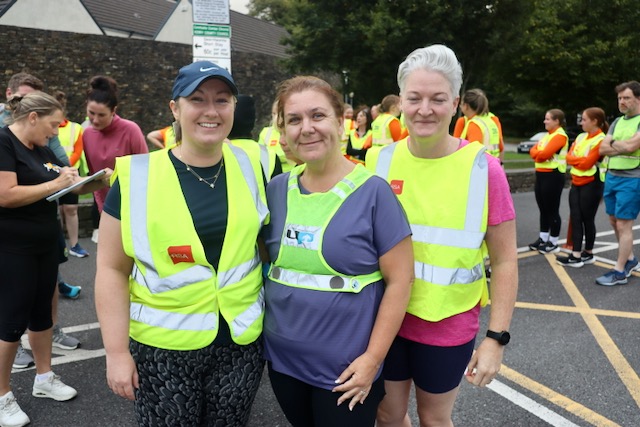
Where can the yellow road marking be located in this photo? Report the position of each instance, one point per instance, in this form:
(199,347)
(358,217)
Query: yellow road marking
(609,347)
(556,398)
(581,310)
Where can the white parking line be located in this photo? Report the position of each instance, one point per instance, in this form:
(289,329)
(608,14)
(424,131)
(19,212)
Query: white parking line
(530,405)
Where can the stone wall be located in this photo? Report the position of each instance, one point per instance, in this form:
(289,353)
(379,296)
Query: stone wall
(144,70)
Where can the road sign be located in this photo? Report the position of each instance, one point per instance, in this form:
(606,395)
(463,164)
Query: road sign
(212,30)
(211,11)
(208,47)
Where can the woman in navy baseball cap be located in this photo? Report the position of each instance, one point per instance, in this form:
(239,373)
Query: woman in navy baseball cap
(179,282)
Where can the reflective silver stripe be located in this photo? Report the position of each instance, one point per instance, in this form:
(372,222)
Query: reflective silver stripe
(244,321)
(478,187)
(251,179)
(141,246)
(384,161)
(339,192)
(447,236)
(171,320)
(238,273)
(264,161)
(447,276)
(317,281)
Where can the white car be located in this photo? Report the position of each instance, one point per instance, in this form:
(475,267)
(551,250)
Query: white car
(525,146)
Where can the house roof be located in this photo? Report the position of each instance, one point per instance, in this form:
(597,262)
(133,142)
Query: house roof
(4,5)
(145,18)
(141,17)
(249,34)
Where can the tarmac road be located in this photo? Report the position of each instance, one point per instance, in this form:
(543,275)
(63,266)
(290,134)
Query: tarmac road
(573,360)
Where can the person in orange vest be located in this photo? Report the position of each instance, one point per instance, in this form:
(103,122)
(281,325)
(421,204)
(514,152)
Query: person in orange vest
(586,187)
(162,138)
(549,155)
(386,128)
(478,124)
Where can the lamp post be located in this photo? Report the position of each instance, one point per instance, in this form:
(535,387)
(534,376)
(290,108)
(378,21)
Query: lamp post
(345,81)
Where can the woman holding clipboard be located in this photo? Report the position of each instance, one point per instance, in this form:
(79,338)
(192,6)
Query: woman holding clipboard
(29,172)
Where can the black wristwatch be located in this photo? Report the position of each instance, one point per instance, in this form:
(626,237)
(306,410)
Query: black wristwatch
(502,337)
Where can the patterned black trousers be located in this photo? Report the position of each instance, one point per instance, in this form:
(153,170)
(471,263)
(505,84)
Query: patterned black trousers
(213,386)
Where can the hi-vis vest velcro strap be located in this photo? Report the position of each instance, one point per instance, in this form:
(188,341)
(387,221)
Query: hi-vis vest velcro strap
(323,282)
(171,320)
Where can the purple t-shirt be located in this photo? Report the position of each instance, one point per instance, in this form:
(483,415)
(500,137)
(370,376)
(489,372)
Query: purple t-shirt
(314,335)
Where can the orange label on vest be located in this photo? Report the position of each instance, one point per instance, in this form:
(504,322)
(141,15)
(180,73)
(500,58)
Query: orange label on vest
(396,186)
(180,254)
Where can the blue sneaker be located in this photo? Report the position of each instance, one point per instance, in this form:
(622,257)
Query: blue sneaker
(78,251)
(69,291)
(630,265)
(612,278)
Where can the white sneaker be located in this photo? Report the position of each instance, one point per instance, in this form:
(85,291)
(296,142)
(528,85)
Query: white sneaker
(10,413)
(94,236)
(54,389)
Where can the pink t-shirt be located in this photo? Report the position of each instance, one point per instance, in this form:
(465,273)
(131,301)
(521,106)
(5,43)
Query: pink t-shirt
(101,147)
(463,327)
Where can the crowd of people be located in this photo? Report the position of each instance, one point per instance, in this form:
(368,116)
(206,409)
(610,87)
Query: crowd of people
(345,249)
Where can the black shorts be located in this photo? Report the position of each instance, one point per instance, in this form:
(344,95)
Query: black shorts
(434,369)
(26,292)
(68,199)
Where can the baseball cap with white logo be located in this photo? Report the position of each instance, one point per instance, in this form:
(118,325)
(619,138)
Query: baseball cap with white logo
(192,75)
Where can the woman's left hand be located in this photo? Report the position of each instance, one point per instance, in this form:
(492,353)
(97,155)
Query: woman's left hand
(106,179)
(355,381)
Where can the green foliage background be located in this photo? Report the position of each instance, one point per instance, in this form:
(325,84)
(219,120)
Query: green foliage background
(528,56)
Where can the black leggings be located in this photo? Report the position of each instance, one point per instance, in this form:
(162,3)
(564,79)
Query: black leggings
(213,386)
(26,292)
(307,406)
(548,191)
(583,204)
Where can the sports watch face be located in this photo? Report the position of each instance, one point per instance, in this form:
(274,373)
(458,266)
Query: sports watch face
(502,337)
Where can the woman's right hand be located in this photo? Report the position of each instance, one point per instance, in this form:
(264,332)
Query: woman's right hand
(122,375)
(67,177)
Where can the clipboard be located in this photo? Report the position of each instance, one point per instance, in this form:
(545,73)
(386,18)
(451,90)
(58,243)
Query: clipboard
(58,194)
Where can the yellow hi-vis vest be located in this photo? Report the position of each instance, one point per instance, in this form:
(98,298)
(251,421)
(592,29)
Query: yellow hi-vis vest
(270,138)
(357,142)
(490,133)
(300,262)
(625,128)
(581,148)
(445,200)
(176,294)
(68,135)
(380,133)
(267,158)
(559,160)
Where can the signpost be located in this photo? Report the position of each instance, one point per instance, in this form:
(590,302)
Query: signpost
(211,32)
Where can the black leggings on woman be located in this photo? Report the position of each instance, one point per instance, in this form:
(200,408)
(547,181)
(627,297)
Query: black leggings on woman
(583,204)
(305,405)
(214,386)
(548,191)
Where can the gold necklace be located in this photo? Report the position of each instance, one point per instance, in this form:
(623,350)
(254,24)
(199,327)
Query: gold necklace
(201,179)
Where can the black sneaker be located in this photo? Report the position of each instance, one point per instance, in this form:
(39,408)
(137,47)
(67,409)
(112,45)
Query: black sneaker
(548,248)
(587,258)
(536,245)
(569,261)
